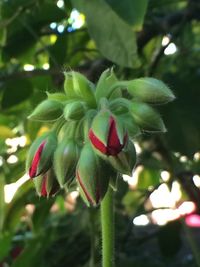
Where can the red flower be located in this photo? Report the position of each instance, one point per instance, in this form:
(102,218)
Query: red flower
(46,185)
(40,155)
(113,145)
(34,166)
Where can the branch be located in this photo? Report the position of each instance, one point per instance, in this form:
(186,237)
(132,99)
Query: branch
(164,25)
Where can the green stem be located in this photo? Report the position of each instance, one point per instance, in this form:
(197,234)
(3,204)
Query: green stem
(2,200)
(94,258)
(107,224)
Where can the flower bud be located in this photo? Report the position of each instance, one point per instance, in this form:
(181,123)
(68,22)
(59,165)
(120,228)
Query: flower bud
(40,154)
(78,86)
(48,110)
(65,161)
(46,185)
(91,176)
(130,124)
(74,110)
(107,134)
(150,90)
(119,106)
(61,97)
(87,122)
(105,82)
(146,117)
(124,162)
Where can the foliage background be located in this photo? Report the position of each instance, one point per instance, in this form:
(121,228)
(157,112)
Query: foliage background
(127,34)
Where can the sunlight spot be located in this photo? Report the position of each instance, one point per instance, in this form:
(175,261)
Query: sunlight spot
(171,49)
(162,197)
(45,66)
(141,220)
(165,175)
(177,154)
(196,180)
(61,28)
(28,67)
(133,180)
(1,161)
(11,189)
(165,40)
(60,3)
(53,25)
(137,147)
(15,142)
(12,159)
(162,216)
(183,159)
(186,208)
(74,194)
(197,156)
(76,19)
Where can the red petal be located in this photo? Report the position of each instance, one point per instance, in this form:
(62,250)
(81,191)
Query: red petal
(114,146)
(44,186)
(97,143)
(36,160)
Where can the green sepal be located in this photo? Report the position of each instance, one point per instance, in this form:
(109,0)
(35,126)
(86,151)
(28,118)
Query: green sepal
(68,130)
(146,117)
(114,182)
(92,179)
(150,90)
(101,124)
(119,106)
(48,110)
(124,162)
(130,124)
(65,161)
(78,86)
(74,110)
(57,96)
(87,122)
(46,157)
(105,83)
(121,131)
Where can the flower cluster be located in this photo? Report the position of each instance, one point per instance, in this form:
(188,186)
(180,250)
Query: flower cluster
(93,128)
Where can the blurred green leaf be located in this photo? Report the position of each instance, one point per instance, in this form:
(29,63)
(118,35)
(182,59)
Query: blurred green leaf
(148,178)
(15,92)
(132,11)
(5,244)
(114,38)
(16,207)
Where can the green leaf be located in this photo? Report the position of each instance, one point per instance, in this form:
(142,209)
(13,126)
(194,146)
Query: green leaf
(15,92)
(131,11)
(114,38)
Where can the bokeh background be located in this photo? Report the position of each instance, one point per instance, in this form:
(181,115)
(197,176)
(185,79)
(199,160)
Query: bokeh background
(158,208)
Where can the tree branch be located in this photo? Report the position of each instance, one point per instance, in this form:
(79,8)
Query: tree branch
(164,25)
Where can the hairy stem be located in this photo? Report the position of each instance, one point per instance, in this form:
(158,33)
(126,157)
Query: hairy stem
(94,231)
(107,224)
